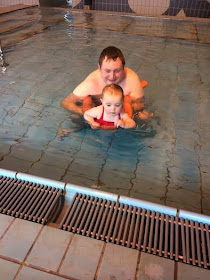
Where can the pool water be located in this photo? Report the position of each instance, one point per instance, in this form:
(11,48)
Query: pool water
(164,160)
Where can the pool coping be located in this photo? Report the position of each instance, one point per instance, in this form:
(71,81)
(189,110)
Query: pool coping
(70,190)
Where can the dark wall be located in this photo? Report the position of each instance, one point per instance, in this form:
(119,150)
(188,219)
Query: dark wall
(191,8)
(52,3)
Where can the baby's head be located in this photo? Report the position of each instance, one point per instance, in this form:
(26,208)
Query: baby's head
(113,90)
(112,99)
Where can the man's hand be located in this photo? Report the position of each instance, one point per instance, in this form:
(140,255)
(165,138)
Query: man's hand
(138,104)
(144,115)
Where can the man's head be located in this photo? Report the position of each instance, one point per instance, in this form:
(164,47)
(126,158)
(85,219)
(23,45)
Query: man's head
(111,65)
(111,53)
(112,99)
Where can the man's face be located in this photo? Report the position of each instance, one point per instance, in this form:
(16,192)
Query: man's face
(112,71)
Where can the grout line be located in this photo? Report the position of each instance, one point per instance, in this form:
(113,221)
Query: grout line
(8,227)
(48,271)
(6,258)
(100,261)
(138,266)
(175,270)
(29,251)
(66,251)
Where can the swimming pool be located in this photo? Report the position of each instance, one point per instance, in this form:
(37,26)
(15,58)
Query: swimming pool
(165,160)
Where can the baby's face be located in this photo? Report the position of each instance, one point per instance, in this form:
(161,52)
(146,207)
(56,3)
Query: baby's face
(112,104)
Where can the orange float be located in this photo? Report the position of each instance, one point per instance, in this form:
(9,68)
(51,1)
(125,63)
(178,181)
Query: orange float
(127,106)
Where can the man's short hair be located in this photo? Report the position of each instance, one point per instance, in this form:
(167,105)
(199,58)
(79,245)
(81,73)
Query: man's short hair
(111,53)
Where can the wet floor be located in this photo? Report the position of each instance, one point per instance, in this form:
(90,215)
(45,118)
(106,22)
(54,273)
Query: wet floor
(165,160)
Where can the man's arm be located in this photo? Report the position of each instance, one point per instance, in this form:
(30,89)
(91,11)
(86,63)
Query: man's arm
(136,93)
(70,103)
(138,104)
(80,94)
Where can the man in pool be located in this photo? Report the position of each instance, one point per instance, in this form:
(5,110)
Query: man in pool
(111,69)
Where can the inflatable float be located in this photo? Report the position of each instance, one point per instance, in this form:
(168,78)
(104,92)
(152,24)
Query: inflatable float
(127,106)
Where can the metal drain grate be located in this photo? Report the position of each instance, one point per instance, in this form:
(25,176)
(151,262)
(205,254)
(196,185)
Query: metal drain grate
(30,201)
(149,231)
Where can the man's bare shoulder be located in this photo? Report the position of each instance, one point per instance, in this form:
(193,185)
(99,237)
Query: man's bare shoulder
(132,84)
(89,86)
(130,74)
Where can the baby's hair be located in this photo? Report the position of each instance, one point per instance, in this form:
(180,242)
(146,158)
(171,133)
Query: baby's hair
(114,90)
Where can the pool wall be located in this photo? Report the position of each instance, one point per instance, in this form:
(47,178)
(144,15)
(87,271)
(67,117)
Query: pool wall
(16,2)
(184,8)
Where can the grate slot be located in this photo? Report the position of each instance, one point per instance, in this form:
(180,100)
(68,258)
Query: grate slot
(122,224)
(183,240)
(136,229)
(19,201)
(131,231)
(125,235)
(203,246)
(166,236)
(198,244)
(108,221)
(85,214)
(141,230)
(112,223)
(85,201)
(117,223)
(103,219)
(207,241)
(149,231)
(161,234)
(156,234)
(27,200)
(90,216)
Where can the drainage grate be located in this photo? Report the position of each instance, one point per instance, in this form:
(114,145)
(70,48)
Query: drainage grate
(149,231)
(30,201)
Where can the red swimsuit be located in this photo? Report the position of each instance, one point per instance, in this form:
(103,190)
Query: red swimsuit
(102,122)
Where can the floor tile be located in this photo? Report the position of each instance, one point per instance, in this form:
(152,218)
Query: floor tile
(82,258)
(19,239)
(5,221)
(154,268)
(118,263)
(8,269)
(186,271)
(49,248)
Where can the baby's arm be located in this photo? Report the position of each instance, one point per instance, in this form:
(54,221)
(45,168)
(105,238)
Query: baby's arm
(91,114)
(125,122)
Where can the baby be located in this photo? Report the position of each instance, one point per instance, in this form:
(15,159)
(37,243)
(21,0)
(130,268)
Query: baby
(110,114)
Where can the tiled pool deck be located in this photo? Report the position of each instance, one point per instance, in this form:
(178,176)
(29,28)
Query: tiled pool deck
(32,251)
